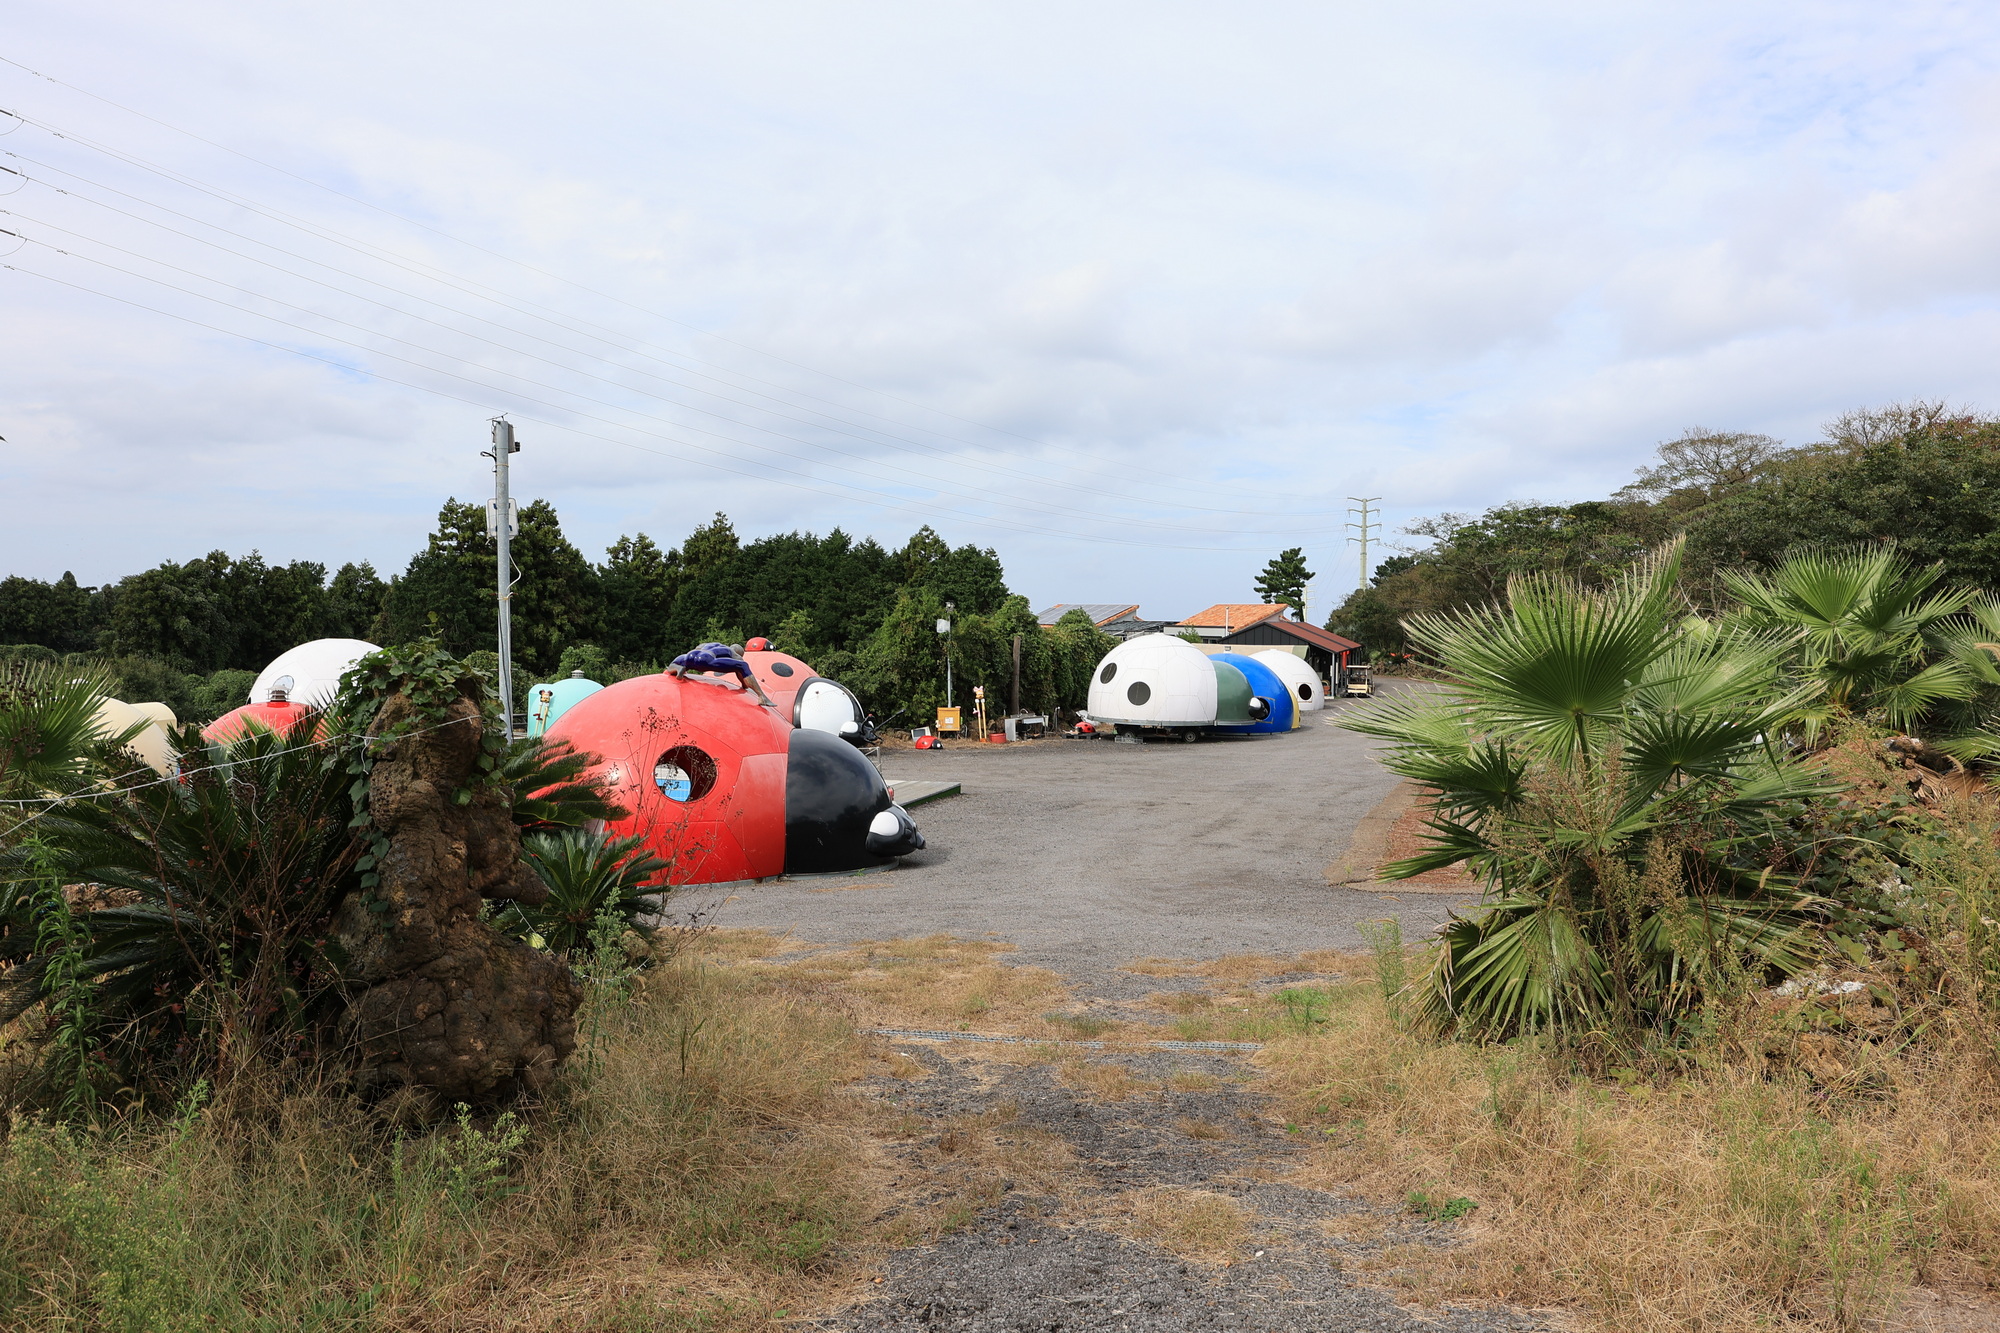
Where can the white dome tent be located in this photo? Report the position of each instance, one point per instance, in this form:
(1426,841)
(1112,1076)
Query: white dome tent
(310,673)
(1300,679)
(1153,680)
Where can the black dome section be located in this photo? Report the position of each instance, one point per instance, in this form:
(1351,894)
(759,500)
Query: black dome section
(831,794)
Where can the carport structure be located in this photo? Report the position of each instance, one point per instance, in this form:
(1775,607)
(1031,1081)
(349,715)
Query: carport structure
(1325,652)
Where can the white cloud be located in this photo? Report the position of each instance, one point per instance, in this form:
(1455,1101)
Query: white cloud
(1212,264)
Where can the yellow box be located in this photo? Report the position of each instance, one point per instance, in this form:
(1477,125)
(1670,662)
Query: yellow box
(950,719)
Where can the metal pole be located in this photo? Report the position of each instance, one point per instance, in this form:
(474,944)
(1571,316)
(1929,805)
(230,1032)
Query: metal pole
(1014,699)
(503,445)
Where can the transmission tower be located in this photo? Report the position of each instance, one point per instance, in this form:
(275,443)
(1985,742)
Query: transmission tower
(1368,524)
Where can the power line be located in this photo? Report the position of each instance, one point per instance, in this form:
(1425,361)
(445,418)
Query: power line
(873,498)
(382,254)
(438,370)
(1090,515)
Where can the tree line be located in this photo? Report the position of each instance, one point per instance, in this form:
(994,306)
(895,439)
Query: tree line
(191,634)
(1919,475)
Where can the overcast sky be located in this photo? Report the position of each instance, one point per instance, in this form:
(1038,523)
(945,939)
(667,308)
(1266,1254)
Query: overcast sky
(1137,294)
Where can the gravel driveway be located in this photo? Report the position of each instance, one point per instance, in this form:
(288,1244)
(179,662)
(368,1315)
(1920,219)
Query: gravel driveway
(1089,854)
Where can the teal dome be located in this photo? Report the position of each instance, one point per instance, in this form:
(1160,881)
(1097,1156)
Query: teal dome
(548,702)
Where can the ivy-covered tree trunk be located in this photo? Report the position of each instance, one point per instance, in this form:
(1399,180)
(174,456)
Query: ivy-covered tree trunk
(443,1004)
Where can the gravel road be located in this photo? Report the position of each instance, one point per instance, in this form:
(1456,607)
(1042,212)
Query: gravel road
(1090,854)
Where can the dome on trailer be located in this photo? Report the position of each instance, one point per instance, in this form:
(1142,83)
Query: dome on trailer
(150,741)
(780,674)
(310,673)
(828,706)
(1153,680)
(1270,704)
(1232,694)
(699,762)
(548,702)
(1308,693)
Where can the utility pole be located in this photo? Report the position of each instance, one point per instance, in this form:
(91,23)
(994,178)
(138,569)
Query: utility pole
(1367,526)
(502,524)
(1014,700)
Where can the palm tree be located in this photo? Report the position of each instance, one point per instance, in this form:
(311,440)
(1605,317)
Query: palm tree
(1601,760)
(553,787)
(1877,633)
(49,731)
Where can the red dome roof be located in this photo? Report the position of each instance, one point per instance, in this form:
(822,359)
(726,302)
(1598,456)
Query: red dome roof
(780,674)
(278,718)
(724,753)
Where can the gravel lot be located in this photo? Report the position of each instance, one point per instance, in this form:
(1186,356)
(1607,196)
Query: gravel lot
(1090,854)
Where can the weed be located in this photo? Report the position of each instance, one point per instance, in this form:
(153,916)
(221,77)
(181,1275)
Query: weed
(1306,1007)
(1083,1025)
(1437,1208)
(1385,939)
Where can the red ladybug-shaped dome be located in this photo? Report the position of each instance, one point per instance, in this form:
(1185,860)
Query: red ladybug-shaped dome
(699,762)
(780,674)
(277,716)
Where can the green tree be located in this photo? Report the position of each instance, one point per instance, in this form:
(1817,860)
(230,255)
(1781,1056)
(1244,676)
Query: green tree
(191,614)
(1933,489)
(61,616)
(1702,466)
(354,602)
(638,582)
(556,597)
(449,586)
(1284,580)
(969,577)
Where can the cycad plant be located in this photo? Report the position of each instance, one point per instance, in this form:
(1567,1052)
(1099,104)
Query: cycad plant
(553,787)
(587,874)
(1602,761)
(216,890)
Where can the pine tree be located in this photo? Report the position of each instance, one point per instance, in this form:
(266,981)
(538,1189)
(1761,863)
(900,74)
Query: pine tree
(1284,580)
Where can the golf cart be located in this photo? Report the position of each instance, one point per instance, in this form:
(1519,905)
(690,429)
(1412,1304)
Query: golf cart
(1358,685)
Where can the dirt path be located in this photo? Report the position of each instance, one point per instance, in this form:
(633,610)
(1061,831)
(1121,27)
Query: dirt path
(1142,1192)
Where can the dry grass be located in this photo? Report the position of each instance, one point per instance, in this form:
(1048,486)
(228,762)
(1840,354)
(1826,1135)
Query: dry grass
(1102,1081)
(1240,966)
(970,1164)
(1742,1197)
(934,981)
(712,1174)
(1196,1224)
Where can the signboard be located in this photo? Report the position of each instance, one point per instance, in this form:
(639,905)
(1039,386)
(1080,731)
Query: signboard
(513,518)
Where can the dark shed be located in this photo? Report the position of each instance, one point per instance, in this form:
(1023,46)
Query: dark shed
(1326,652)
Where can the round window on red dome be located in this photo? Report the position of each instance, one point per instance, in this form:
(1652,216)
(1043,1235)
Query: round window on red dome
(684,773)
